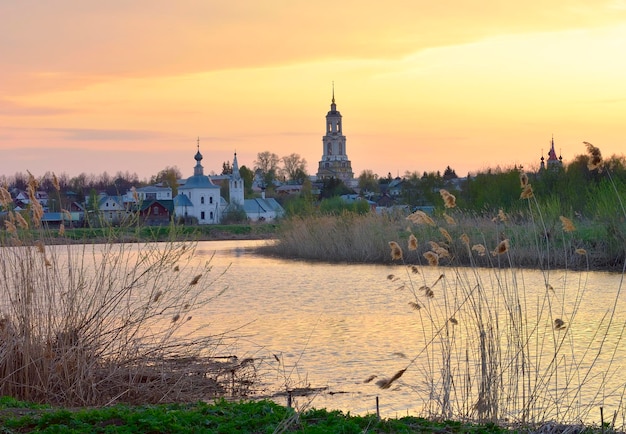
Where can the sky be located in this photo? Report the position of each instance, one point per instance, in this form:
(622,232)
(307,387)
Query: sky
(130,86)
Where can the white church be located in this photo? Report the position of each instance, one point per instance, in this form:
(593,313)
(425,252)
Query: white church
(199,198)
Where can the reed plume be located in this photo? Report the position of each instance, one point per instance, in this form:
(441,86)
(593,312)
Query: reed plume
(415,305)
(559,324)
(595,157)
(10,227)
(523,180)
(527,193)
(432,258)
(446,235)
(21,221)
(449,219)
(449,200)
(480,249)
(386,383)
(465,240)
(55,182)
(421,218)
(412,242)
(501,248)
(568,226)
(396,251)
(5,197)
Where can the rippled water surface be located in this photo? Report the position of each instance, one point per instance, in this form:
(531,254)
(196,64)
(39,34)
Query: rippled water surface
(335,325)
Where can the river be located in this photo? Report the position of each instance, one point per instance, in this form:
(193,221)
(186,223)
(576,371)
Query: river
(455,341)
(334,326)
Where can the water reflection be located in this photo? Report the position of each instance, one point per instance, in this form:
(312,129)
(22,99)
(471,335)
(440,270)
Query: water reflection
(336,325)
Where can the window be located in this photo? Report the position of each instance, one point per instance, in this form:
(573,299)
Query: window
(202,215)
(211,215)
(202,200)
(155,210)
(211,199)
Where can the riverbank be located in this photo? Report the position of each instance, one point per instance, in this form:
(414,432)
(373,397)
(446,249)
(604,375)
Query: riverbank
(351,238)
(150,234)
(236,417)
(451,240)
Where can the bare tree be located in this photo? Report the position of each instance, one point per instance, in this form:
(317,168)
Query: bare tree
(267,164)
(294,167)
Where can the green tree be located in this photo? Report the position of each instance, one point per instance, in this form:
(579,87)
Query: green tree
(368,182)
(168,177)
(449,173)
(334,187)
(227,169)
(248,178)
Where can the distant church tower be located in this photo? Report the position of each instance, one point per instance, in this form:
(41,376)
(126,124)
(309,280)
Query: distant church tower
(235,185)
(554,162)
(334,162)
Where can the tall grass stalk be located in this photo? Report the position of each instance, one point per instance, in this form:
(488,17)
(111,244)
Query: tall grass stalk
(493,344)
(497,349)
(93,324)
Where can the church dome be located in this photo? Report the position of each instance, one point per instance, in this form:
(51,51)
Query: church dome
(199,181)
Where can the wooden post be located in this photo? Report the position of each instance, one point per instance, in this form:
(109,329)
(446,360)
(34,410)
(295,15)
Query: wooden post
(377,408)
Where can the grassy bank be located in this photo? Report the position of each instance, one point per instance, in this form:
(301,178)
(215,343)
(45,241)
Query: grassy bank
(153,233)
(234,417)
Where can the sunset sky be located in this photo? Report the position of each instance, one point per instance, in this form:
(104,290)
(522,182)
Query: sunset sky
(128,85)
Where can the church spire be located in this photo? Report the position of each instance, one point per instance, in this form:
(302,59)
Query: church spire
(198,170)
(236,174)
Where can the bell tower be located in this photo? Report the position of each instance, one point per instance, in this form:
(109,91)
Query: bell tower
(235,184)
(334,162)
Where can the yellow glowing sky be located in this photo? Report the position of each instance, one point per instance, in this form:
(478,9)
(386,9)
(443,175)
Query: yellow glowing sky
(123,85)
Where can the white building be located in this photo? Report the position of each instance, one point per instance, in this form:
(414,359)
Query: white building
(199,198)
(152,192)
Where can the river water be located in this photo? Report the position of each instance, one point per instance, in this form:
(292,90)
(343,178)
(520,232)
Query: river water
(550,343)
(333,326)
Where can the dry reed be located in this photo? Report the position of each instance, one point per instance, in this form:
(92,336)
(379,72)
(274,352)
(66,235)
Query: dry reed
(94,324)
(493,349)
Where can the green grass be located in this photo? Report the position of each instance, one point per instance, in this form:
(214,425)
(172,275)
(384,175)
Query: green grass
(218,417)
(155,233)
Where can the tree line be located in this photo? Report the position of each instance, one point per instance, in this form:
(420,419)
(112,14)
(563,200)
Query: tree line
(572,189)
